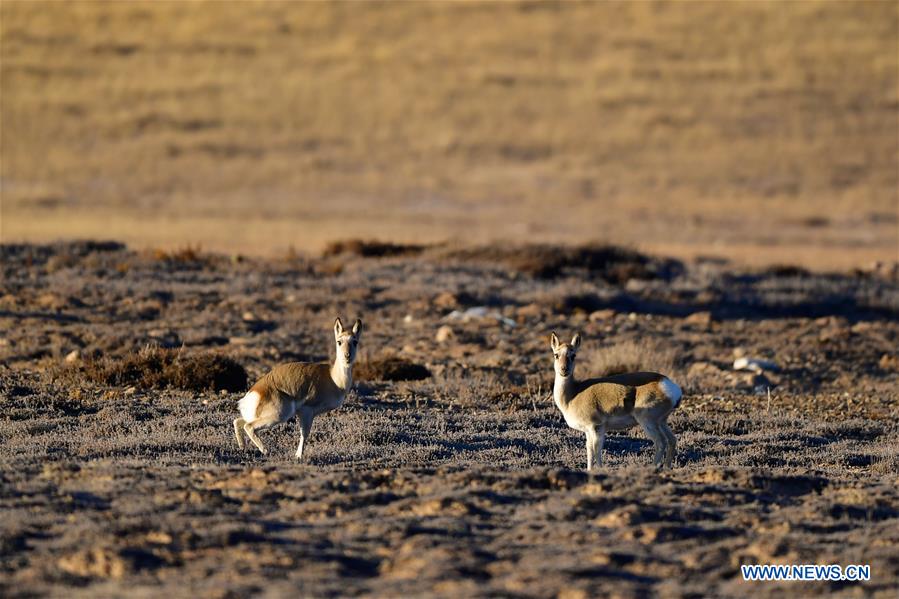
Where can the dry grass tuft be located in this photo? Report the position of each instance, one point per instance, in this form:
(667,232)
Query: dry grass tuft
(390,369)
(786,270)
(187,254)
(632,356)
(371,249)
(157,368)
(611,263)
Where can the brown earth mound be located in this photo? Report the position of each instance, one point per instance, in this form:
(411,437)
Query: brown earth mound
(370,249)
(390,369)
(614,264)
(156,368)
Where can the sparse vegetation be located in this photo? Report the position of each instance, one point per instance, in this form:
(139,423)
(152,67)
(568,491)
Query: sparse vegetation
(390,368)
(371,249)
(163,500)
(631,356)
(682,128)
(614,264)
(156,368)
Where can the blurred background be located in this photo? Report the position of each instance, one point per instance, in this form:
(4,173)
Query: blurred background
(761,132)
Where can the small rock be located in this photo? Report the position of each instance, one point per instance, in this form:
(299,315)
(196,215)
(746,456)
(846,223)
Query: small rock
(699,318)
(889,362)
(702,368)
(165,338)
(600,315)
(444,333)
(446,300)
(863,327)
(529,311)
(100,563)
(51,301)
(72,356)
(159,538)
(831,321)
(249,316)
(480,313)
(755,365)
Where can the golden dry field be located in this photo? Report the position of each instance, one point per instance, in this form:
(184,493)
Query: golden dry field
(763,132)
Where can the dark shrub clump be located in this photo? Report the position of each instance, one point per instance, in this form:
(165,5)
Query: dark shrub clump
(611,263)
(390,369)
(371,249)
(157,368)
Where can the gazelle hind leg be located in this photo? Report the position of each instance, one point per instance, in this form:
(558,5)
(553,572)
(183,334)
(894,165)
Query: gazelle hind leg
(599,438)
(248,428)
(672,443)
(659,441)
(238,431)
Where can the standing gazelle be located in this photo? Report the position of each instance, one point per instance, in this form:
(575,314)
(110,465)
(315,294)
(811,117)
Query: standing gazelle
(306,388)
(616,402)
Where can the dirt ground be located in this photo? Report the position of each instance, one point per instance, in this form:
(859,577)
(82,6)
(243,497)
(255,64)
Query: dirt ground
(464,483)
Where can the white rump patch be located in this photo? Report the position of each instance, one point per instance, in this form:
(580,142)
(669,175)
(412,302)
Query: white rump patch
(671,391)
(248,404)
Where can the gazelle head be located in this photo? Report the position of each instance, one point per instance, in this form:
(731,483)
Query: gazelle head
(564,354)
(347,341)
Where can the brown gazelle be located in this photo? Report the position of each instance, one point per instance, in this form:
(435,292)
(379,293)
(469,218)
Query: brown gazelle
(303,388)
(616,402)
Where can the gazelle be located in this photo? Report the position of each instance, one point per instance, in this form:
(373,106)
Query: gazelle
(303,388)
(595,406)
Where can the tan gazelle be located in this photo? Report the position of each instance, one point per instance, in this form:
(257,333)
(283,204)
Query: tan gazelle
(594,406)
(304,388)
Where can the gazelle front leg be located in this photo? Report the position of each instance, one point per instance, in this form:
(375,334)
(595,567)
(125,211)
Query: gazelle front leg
(305,428)
(671,445)
(591,439)
(238,431)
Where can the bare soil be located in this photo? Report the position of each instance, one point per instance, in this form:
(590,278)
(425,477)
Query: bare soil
(466,482)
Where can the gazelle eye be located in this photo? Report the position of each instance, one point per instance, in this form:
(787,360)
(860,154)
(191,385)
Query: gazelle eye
(340,343)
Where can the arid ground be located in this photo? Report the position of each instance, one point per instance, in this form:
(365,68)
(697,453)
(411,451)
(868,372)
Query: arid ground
(740,157)
(120,475)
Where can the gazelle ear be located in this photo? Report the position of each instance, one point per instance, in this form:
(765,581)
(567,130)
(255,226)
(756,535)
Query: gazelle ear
(576,341)
(357,327)
(338,327)
(554,341)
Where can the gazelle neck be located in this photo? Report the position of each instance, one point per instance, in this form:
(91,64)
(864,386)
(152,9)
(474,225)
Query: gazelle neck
(342,373)
(562,388)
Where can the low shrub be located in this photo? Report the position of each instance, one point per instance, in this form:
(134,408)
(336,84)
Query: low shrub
(390,369)
(157,368)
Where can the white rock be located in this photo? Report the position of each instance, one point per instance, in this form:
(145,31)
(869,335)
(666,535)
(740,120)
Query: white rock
(755,365)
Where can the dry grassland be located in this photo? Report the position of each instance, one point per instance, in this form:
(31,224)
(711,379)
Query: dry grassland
(756,130)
